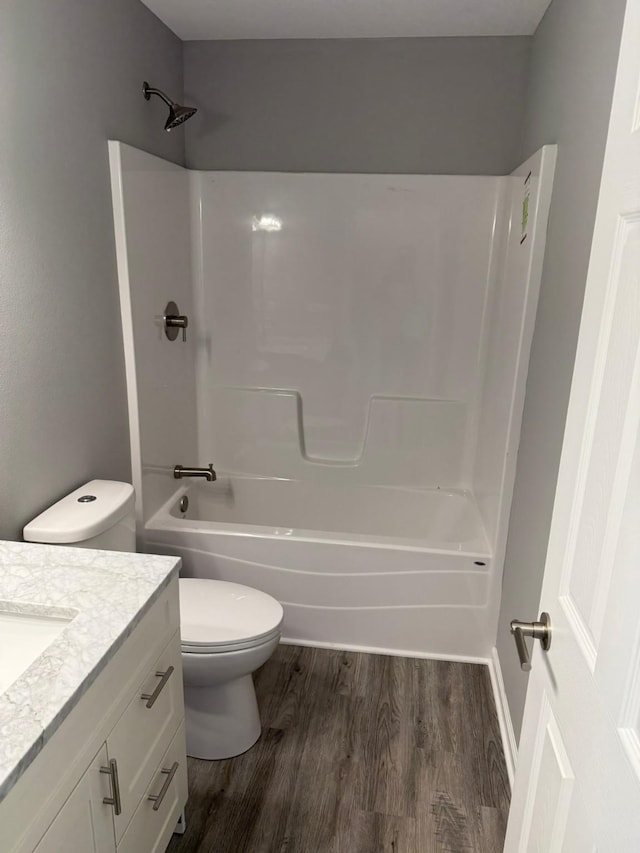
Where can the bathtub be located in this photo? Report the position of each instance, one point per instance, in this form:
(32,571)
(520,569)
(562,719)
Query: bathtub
(393,570)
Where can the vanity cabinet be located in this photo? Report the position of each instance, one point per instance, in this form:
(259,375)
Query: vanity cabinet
(113,777)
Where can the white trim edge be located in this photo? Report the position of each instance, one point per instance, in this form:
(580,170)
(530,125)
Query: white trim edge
(509,744)
(375,650)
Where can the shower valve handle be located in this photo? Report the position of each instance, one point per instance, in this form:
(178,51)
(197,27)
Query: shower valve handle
(178,322)
(174,320)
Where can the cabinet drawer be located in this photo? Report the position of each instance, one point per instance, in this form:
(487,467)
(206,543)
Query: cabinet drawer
(154,821)
(144,731)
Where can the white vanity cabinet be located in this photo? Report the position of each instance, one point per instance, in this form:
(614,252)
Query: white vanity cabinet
(113,777)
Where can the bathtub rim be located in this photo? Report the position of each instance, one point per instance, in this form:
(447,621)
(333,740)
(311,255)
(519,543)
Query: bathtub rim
(164,521)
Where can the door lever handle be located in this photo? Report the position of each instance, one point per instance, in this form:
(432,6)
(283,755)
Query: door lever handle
(538,630)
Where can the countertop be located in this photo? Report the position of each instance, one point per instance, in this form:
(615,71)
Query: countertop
(106,593)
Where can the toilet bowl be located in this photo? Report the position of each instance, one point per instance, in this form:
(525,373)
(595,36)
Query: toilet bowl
(227,630)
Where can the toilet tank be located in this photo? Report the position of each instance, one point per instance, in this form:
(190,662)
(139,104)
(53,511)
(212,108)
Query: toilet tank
(100,514)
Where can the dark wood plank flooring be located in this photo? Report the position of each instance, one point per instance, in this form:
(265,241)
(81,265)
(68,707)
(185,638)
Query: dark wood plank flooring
(358,754)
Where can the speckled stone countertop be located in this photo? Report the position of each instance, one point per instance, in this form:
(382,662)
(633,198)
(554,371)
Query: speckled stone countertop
(106,593)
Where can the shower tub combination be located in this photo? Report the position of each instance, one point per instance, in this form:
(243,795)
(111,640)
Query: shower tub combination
(354,368)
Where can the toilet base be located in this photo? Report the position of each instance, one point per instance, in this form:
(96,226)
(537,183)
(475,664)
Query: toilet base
(221,721)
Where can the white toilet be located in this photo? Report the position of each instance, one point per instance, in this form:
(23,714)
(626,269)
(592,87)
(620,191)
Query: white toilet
(227,630)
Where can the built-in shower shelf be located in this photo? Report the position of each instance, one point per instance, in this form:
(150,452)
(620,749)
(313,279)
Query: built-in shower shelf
(400,440)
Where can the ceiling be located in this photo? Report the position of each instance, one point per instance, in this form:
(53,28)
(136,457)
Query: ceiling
(271,19)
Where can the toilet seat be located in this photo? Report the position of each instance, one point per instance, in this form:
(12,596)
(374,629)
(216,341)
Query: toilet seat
(218,616)
(217,648)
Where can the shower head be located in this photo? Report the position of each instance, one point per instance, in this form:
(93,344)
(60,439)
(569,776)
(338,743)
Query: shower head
(177,113)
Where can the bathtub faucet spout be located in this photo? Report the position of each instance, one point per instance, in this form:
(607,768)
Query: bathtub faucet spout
(208,473)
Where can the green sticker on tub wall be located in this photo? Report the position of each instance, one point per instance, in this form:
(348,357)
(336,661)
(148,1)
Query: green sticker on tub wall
(525,213)
(525,209)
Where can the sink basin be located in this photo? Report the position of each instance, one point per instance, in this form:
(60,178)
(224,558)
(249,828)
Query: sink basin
(24,636)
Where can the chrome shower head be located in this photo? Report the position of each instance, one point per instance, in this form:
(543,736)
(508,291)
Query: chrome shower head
(177,113)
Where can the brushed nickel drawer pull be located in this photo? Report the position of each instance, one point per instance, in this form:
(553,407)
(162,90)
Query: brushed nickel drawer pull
(158,798)
(150,698)
(114,799)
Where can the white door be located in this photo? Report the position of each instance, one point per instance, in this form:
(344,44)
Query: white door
(84,824)
(577,785)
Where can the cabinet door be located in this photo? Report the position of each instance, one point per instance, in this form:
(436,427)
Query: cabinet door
(84,824)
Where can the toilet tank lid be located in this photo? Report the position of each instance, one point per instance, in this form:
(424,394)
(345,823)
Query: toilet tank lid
(72,519)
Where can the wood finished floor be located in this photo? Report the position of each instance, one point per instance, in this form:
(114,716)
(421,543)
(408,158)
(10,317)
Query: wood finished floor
(358,754)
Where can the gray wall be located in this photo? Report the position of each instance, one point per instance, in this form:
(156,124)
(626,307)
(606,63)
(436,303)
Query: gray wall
(71,77)
(425,105)
(574,59)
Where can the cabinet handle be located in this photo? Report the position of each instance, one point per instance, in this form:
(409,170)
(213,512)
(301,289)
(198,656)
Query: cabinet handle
(114,799)
(150,698)
(158,798)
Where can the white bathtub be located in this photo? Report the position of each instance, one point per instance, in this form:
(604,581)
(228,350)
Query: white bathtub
(400,570)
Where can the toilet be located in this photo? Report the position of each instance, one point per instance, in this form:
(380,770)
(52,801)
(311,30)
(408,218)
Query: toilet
(227,630)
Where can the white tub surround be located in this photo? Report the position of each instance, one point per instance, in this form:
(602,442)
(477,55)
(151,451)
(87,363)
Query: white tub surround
(354,369)
(104,595)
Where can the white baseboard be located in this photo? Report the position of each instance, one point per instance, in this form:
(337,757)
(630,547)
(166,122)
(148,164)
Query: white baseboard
(375,650)
(509,744)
